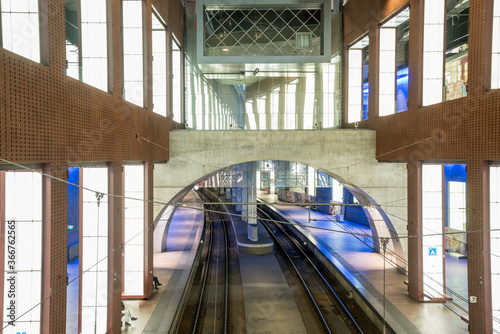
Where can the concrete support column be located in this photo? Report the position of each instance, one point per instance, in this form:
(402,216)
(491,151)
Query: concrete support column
(318,100)
(300,96)
(237,184)
(244,191)
(252,198)
(281,106)
(268,111)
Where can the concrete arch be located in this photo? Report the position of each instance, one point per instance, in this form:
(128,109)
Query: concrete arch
(347,155)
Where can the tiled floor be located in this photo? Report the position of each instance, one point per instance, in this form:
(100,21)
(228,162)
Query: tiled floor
(365,268)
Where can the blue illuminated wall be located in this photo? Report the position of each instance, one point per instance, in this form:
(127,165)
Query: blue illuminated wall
(354,213)
(365,100)
(73,205)
(324,195)
(402,90)
(452,172)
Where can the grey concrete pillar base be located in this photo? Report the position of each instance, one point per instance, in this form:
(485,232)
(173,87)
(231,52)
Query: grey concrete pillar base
(253,232)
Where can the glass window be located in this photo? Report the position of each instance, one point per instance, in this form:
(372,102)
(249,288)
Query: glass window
(393,64)
(72,39)
(337,191)
(94,250)
(87,42)
(330,93)
(177,81)
(133,58)
(402,63)
(133,216)
(357,77)
(252,125)
(432,76)
(432,226)
(446,31)
(495,57)
(159,66)
(20,28)
(22,193)
(456,53)
(94,43)
(457,203)
(309,102)
(495,244)
(311,181)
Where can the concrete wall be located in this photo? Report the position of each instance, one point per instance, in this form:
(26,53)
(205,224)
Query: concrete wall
(348,155)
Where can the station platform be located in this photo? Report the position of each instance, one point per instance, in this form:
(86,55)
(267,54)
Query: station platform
(364,267)
(264,245)
(270,306)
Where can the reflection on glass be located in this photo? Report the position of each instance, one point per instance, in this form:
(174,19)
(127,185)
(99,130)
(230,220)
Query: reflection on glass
(456,54)
(72,40)
(393,64)
(402,61)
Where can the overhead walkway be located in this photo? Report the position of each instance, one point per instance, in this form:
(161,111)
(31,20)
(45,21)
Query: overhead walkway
(365,269)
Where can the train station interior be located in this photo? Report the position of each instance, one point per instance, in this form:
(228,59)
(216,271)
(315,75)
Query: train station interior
(360,126)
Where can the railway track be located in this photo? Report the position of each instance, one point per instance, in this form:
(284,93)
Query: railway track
(335,312)
(209,305)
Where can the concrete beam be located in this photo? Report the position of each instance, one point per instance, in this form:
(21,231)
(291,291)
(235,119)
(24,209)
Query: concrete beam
(347,155)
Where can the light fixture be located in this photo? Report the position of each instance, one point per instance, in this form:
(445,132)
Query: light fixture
(303,41)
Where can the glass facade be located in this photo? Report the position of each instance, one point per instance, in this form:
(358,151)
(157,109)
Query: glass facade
(159,66)
(177,81)
(357,77)
(495,244)
(495,57)
(393,64)
(22,262)
(133,52)
(445,62)
(21,28)
(94,251)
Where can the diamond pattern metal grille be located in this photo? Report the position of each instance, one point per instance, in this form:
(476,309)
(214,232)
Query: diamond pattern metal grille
(261,32)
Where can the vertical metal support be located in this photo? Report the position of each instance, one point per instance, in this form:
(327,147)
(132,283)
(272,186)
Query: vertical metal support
(384,241)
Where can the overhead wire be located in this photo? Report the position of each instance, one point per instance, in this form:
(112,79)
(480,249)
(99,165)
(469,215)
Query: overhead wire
(218,167)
